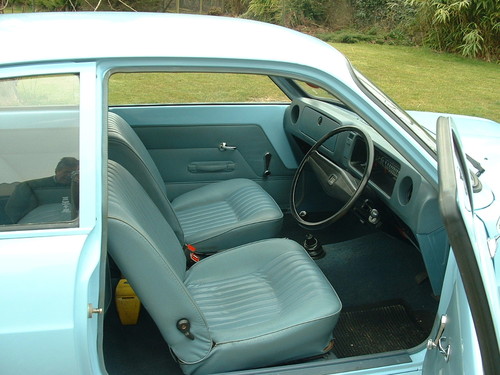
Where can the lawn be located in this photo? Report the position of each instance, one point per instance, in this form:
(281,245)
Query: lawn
(420,79)
(156,88)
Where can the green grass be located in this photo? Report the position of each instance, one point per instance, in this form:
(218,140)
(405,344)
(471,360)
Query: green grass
(420,79)
(40,91)
(178,88)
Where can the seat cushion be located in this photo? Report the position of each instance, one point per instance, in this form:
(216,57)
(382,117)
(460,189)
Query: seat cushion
(48,213)
(264,303)
(227,214)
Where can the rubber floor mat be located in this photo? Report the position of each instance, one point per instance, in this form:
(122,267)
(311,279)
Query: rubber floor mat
(376,329)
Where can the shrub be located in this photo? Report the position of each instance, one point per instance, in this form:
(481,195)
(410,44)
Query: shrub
(470,27)
(290,13)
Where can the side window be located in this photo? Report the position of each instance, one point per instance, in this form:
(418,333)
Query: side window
(192,88)
(39,143)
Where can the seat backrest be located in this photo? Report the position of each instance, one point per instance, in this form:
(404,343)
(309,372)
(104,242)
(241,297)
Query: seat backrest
(150,256)
(42,193)
(126,148)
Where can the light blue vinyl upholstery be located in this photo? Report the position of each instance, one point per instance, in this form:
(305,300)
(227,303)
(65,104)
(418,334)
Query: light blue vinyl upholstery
(231,212)
(126,148)
(40,200)
(255,305)
(217,216)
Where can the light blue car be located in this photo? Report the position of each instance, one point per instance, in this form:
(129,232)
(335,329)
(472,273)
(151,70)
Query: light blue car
(198,195)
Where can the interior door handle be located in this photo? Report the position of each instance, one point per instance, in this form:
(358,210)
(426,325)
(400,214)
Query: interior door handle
(224,147)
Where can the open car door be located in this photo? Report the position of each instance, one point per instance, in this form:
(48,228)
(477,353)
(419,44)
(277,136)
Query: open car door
(466,339)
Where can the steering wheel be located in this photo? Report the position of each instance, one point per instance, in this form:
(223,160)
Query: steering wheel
(334,180)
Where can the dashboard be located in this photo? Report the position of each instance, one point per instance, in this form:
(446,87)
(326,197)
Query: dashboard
(385,169)
(393,179)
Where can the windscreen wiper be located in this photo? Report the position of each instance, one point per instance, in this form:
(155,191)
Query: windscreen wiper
(480,170)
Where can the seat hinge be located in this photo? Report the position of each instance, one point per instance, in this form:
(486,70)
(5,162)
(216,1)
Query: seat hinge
(184,326)
(439,341)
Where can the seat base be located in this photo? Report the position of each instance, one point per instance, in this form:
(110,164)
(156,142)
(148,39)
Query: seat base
(265,303)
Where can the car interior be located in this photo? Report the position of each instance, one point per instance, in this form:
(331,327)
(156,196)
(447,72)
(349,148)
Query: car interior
(262,236)
(267,231)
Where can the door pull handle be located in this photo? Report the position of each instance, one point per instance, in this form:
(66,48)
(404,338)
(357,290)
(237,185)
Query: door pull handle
(224,147)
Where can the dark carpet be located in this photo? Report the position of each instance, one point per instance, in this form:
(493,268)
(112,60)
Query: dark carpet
(374,268)
(376,329)
(136,349)
(367,271)
(346,228)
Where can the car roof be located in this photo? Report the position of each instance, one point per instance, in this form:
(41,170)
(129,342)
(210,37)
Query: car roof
(80,36)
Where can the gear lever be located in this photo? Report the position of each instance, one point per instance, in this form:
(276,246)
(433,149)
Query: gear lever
(313,247)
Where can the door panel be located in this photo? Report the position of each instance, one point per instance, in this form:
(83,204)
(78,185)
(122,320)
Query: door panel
(459,335)
(185,143)
(472,328)
(50,267)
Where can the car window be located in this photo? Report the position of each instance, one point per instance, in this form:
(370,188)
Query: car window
(315,91)
(39,142)
(192,88)
(389,106)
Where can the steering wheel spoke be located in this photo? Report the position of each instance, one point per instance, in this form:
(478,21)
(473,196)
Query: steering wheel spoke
(335,181)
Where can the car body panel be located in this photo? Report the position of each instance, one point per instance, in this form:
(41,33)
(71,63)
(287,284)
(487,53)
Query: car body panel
(60,272)
(468,239)
(480,138)
(463,359)
(53,320)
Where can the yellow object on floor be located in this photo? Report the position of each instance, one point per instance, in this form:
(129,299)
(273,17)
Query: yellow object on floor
(128,304)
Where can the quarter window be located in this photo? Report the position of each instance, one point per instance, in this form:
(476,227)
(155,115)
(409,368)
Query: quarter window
(315,91)
(39,143)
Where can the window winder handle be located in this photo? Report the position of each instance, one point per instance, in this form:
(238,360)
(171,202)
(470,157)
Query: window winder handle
(267,163)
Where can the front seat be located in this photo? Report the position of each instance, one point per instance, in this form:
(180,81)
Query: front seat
(255,305)
(216,216)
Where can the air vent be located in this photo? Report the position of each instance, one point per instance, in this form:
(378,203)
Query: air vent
(405,190)
(295,114)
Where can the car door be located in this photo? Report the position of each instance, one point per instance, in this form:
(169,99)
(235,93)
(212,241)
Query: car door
(206,127)
(51,226)
(466,338)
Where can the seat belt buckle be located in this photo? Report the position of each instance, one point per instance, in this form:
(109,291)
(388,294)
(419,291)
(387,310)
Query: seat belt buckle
(191,253)
(195,258)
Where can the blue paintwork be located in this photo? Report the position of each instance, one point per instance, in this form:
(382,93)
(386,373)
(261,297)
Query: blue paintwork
(481,140)
(48,277)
